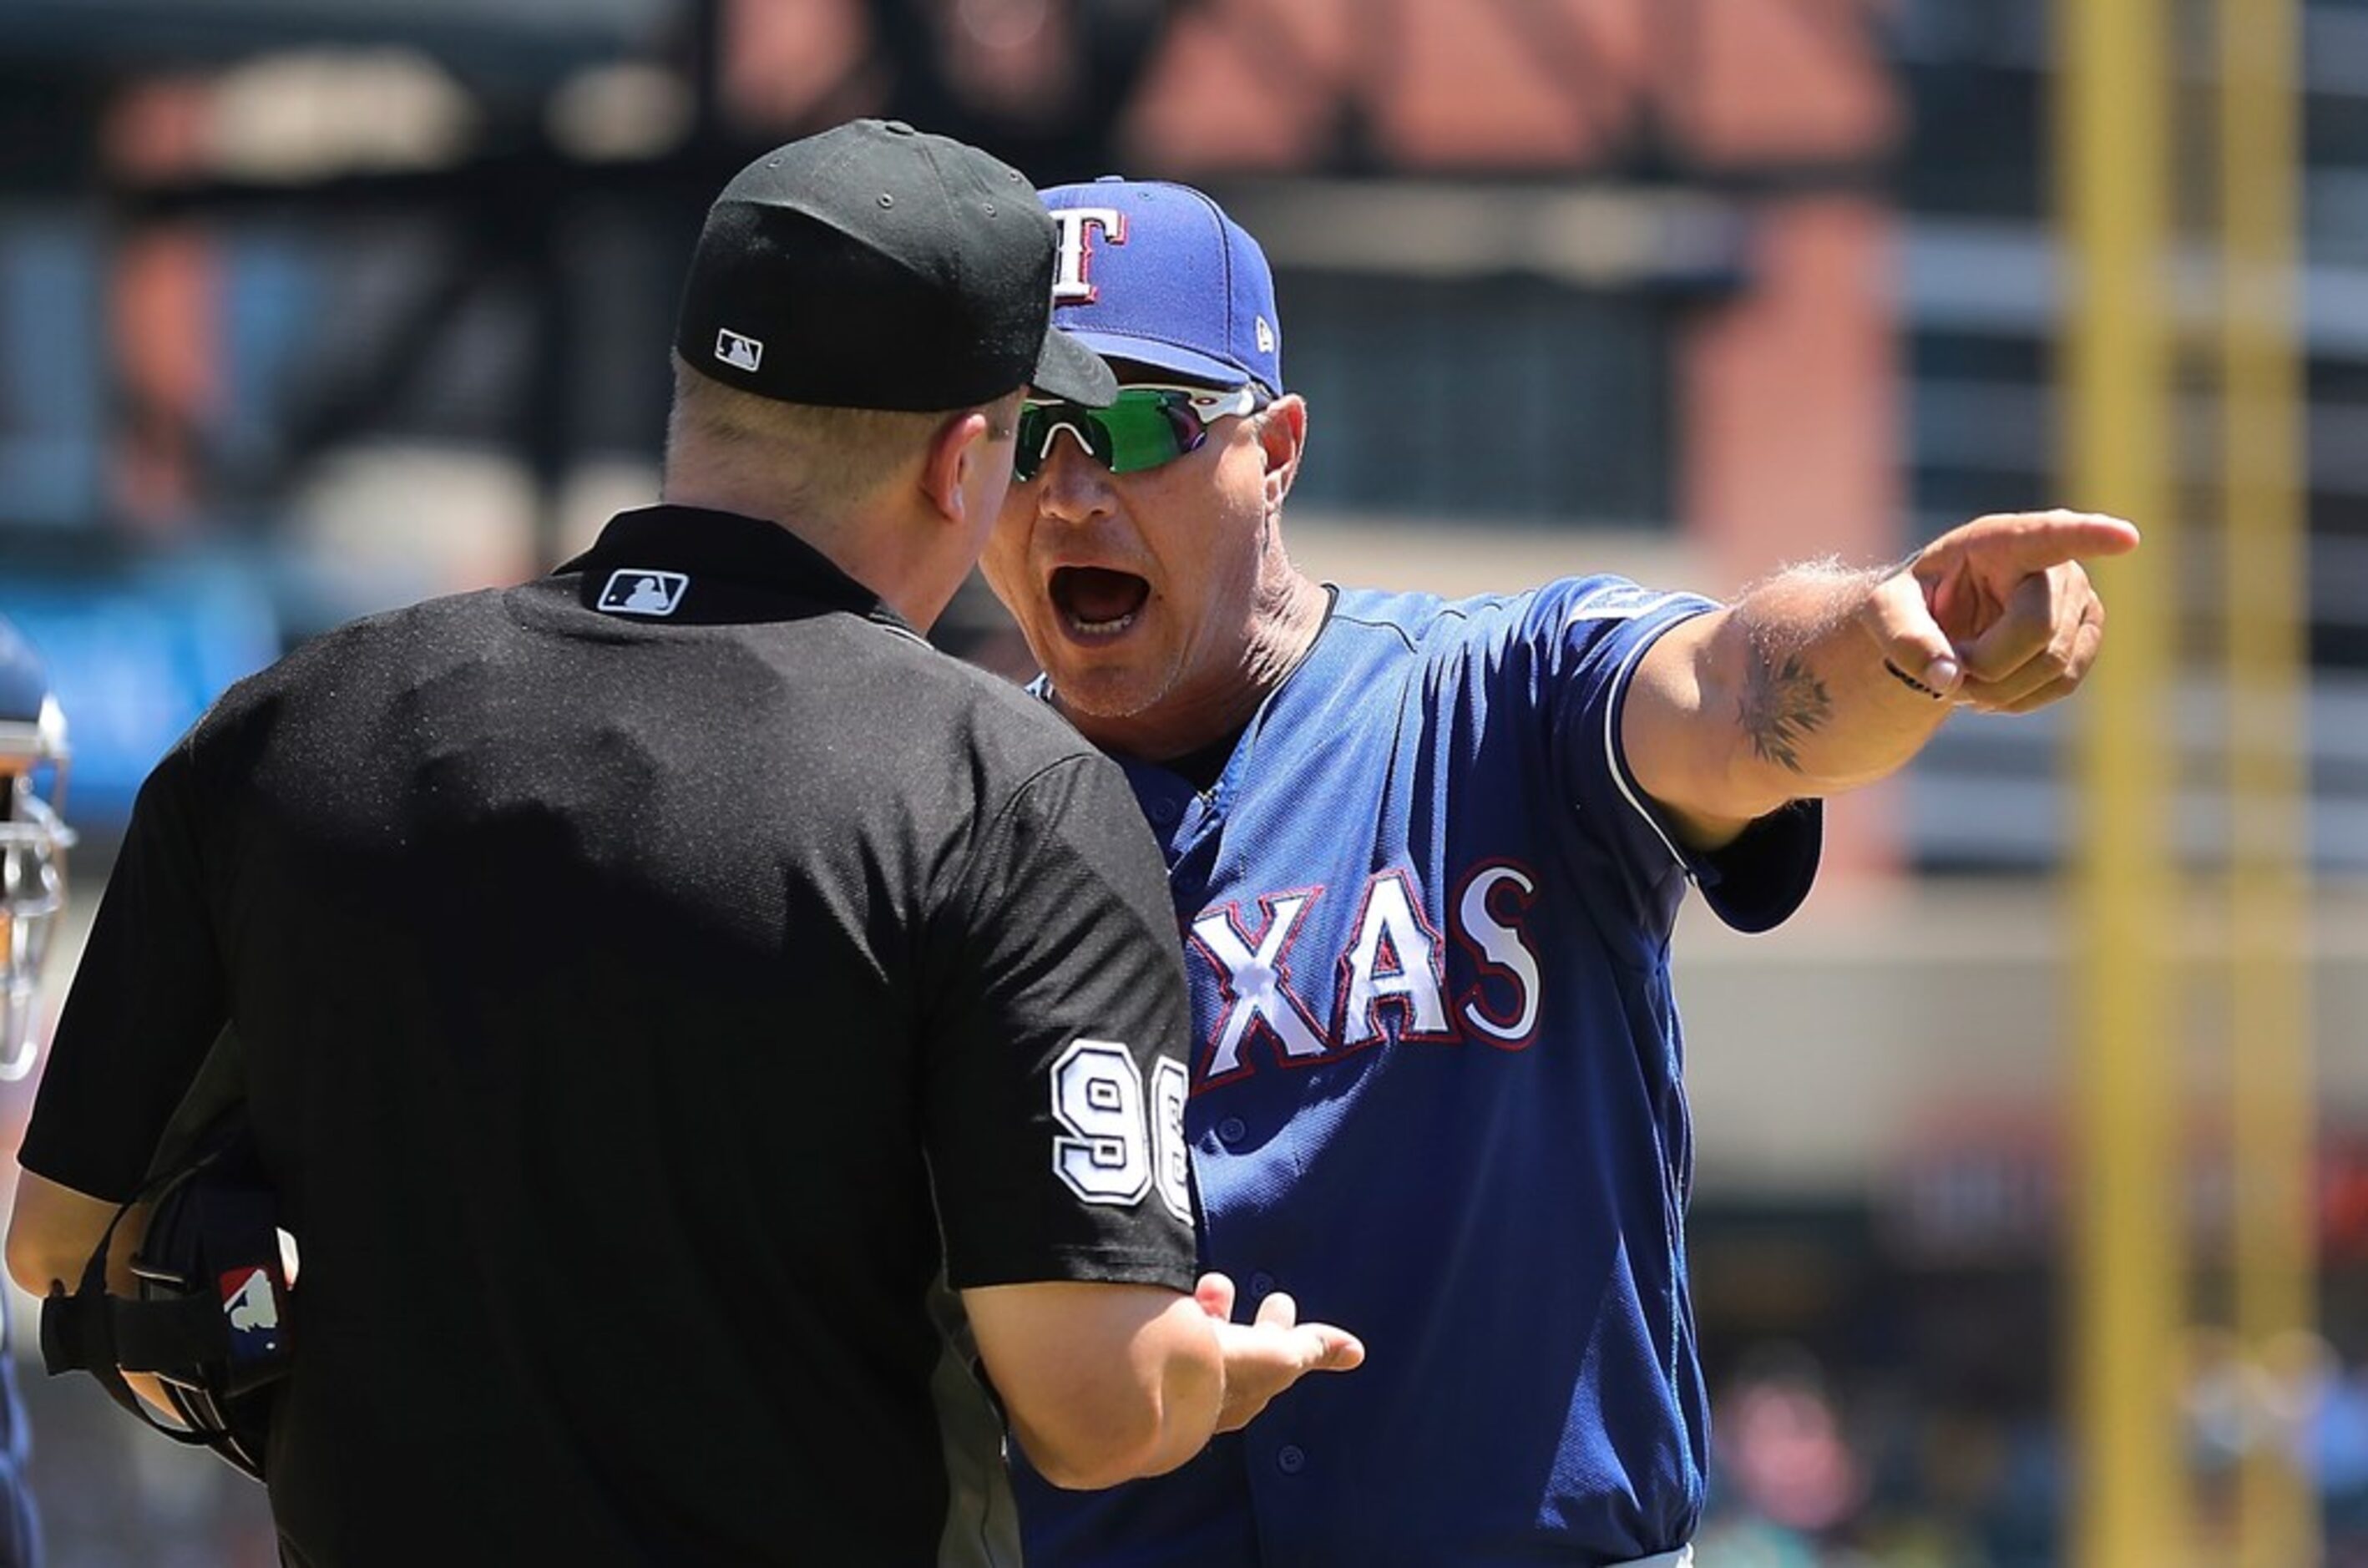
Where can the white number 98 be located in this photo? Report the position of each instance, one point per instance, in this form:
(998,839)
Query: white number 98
(1121,1144)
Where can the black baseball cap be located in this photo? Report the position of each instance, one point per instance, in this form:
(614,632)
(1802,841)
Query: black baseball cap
(874,266)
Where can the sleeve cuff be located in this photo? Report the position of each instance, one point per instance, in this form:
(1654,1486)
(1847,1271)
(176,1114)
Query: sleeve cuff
(1168,1267)
(1616,755)
(1755,883)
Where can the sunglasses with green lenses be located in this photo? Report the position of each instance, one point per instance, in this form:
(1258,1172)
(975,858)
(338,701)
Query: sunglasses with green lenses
(1146,427)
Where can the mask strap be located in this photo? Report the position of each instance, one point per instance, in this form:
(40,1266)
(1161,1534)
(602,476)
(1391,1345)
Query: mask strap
(81,1332)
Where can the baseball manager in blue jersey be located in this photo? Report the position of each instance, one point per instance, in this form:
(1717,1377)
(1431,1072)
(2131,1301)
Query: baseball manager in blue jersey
(1426,857)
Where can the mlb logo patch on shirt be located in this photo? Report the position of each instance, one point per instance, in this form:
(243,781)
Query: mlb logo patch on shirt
(637,590)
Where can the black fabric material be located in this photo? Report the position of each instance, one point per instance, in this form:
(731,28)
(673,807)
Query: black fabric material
(76,1333)
(166,1335)
(876,267)
(622,1004)
(1755,883)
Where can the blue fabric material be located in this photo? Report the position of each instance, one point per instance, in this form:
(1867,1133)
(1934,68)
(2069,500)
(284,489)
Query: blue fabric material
(1436,1097)
(1164,277)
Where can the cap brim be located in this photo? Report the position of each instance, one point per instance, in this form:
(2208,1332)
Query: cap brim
(1071,371)
(1194,366)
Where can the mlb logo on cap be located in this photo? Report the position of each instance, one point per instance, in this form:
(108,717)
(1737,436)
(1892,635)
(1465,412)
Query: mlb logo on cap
(740,352)
(1155,273)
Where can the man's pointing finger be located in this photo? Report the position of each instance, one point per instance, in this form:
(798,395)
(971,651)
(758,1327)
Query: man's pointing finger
(2032,541)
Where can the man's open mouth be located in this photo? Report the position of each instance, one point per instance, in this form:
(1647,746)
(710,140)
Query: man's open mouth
(1095,601)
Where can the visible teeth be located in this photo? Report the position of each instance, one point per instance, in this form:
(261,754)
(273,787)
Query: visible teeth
(1104,628)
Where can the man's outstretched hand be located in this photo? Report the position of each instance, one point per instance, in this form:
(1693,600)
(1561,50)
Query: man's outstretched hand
(1273,1351)
(1997,614)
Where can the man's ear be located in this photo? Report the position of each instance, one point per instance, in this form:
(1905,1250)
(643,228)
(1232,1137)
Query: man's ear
(959,443)
(1283,433)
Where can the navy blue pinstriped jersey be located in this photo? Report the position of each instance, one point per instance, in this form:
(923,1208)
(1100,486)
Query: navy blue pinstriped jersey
(1436,1096)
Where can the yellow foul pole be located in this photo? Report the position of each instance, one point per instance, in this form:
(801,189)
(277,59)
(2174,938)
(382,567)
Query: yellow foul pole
(2274,1126)
(2114,155)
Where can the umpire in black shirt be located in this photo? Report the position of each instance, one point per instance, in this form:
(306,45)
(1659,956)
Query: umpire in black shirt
(683,1014)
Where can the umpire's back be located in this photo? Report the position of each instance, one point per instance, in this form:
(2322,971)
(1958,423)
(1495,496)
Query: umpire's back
(583,961)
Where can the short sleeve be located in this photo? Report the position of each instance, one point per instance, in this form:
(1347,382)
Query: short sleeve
(1055,1075)
(1585,637)
(147,1002)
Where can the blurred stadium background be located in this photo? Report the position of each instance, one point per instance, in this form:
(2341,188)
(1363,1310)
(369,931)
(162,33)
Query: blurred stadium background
(310,307)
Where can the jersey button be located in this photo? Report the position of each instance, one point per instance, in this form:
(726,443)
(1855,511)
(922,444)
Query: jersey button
(1164,811)
(1291,1458)
(1261,1285)
(1233,1130)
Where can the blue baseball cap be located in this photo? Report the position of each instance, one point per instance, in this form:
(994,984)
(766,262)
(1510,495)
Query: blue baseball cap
(1156,273)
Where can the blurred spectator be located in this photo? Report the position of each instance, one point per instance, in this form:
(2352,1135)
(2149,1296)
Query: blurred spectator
(1792,1483)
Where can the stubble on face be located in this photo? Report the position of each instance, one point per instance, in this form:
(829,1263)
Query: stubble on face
(1251,631)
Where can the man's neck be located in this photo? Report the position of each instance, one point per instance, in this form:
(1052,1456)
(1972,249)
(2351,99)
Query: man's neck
(872,548)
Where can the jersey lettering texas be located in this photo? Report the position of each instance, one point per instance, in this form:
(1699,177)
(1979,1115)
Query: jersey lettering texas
(1393,977)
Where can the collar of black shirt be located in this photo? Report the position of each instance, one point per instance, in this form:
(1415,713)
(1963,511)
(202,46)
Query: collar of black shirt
(741,569)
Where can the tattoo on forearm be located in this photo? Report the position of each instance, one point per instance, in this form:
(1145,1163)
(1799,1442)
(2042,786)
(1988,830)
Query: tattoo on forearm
(1784,703)
(1909,681)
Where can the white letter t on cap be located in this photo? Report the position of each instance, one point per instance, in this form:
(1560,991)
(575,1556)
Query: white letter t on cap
(1071,285)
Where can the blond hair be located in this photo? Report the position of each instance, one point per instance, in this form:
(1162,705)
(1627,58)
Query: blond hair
(820,461)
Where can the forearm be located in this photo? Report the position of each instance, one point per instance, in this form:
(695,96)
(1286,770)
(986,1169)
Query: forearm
(1822,679)
(54,1229)
(1179,1373)
(1101,1383)
(1160,1418)
(52,1234)
(1790,693)
(1820,704)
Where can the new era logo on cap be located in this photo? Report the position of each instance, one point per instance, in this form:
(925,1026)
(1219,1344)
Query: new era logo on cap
(635,590)
(740,353)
